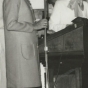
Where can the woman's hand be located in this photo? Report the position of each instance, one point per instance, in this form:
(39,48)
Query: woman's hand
(40,24)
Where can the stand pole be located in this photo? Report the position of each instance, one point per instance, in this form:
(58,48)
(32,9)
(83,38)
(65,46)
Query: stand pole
(45,45)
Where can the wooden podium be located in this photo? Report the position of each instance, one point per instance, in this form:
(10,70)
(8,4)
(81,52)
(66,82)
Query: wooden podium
(68,49)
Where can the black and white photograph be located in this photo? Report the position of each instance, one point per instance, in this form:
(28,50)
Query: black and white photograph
(43,43)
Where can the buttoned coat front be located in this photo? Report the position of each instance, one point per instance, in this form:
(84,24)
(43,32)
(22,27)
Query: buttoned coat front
(21,45)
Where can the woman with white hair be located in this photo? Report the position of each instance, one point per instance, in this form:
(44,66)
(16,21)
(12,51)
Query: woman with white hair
(65,11)
(2,50)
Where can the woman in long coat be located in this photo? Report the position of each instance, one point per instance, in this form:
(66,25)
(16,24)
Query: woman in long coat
(21,44)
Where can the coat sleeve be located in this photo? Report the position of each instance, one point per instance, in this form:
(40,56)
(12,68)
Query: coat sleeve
(11,10)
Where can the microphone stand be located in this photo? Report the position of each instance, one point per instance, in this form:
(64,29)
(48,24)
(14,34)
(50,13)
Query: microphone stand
(45,44)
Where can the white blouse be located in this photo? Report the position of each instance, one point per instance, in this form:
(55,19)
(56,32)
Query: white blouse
(85,11)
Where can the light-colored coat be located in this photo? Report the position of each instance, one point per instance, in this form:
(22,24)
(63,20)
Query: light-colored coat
(21,45)
(2,50)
